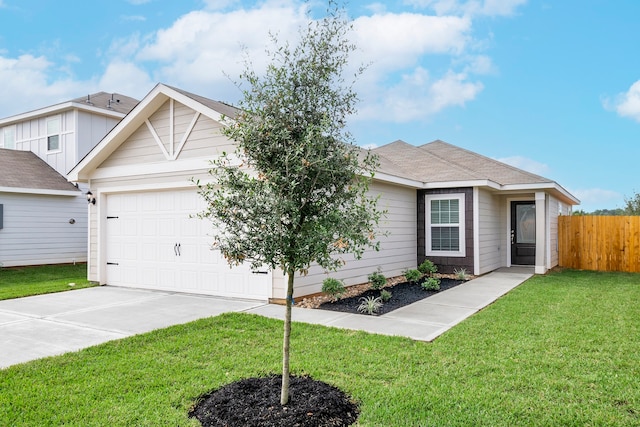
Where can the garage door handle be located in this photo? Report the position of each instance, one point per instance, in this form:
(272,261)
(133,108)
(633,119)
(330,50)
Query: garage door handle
(175,249)
(179,253)
(260,272)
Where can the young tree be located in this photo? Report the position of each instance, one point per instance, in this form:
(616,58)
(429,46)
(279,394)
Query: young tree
(633,205)
(295,191)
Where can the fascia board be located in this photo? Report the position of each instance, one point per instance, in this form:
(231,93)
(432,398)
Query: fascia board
(551,186)
(54,109)
(40,191)
(192,165)
(392,179)
(154,99)
(469,183)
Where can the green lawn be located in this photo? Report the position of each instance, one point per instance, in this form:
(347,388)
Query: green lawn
(560,350)
(16,282)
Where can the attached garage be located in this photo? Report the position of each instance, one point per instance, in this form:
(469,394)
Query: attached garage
(154,241)
(142,232)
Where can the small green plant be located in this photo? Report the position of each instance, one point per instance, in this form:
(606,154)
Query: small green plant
(427,267)
(377,280)
(333,287)
(431,284)
(461,273)
(385,295)
(413,275)
(370,305)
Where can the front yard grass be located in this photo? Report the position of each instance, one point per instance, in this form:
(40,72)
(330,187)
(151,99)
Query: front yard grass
(16,282)
(559,350)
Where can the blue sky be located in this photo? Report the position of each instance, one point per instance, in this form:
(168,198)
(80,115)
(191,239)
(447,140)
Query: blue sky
(549,86)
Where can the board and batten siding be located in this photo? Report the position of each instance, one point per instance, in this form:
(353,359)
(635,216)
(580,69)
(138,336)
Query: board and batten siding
(490,231)
(91,128)
(37,229)
(397,249)
(204,141)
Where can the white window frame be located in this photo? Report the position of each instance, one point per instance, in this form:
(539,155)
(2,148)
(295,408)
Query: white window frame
(58,134)
(12,131)
(461,224)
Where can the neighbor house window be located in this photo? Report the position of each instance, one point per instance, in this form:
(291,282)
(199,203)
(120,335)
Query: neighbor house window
(9,137)
(445,225)
(53,133)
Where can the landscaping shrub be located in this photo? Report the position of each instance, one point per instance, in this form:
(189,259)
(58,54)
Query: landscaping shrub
(333,287)
(377,280)
(427,267)
(431,284)
(412,276)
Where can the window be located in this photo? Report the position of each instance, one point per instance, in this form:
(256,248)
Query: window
(9,137)
(445,225)
(53,133)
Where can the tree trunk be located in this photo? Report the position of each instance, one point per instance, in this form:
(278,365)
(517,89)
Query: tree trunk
(284,393)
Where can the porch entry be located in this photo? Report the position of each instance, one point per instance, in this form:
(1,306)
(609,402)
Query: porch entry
(523,233)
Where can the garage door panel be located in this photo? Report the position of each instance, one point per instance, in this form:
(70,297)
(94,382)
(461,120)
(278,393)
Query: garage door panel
(142,242)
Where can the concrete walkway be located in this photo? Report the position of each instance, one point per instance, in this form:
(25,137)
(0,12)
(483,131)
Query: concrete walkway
(52,324)
(423,320)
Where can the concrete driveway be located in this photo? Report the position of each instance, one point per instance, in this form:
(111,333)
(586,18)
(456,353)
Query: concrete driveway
(52,324)
(47,325)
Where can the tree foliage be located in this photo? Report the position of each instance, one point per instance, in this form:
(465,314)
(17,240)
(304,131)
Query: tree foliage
(632,204)
(295,192)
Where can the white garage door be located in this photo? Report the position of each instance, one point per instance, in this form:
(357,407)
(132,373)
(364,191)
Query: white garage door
(153,242)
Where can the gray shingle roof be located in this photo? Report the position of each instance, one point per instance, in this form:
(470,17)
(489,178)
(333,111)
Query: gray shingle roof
(108,101)
(218,106)
(24,169)
(439,161)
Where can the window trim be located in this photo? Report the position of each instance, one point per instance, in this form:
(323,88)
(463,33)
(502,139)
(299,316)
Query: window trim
(57,118)
(9,129)
(461,224)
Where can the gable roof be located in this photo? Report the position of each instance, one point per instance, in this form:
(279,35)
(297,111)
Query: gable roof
(215,110)
(107,104)
(25,172)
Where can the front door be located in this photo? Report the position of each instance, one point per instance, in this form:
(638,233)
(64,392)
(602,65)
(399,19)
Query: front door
(523,233)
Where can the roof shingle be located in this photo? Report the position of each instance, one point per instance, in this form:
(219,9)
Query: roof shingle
(24,169)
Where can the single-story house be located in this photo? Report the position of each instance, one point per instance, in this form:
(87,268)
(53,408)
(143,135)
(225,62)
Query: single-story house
(45,218)
(41,221)
(455,207)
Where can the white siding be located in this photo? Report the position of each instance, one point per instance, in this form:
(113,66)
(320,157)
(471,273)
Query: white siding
(491,231)
(91,129)
(398,250)
(31,135)
(37,229)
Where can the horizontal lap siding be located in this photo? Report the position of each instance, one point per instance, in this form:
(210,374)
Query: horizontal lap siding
(397,249)
(491,231)
(37,230)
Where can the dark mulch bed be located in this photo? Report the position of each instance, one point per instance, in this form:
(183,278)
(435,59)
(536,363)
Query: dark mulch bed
(256,402)
(402,294)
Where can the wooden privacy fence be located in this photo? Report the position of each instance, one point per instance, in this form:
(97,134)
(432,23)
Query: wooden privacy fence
(602,243)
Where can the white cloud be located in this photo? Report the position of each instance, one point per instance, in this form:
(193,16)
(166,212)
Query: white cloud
(627,104)
(471,7)
(126,78)
(526,164)
(200,51)
(25,81)
(418,96)
(597,198)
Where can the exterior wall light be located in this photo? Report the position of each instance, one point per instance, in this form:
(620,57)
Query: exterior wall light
(90,199)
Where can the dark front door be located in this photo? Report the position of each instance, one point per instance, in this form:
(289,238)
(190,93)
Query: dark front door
(523,233)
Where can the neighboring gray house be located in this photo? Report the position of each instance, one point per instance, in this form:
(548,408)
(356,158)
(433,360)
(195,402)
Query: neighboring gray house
(44,218)
(444,203)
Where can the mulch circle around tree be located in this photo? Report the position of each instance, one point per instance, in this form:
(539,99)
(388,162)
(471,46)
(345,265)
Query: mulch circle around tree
(256,402)
(402,294)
